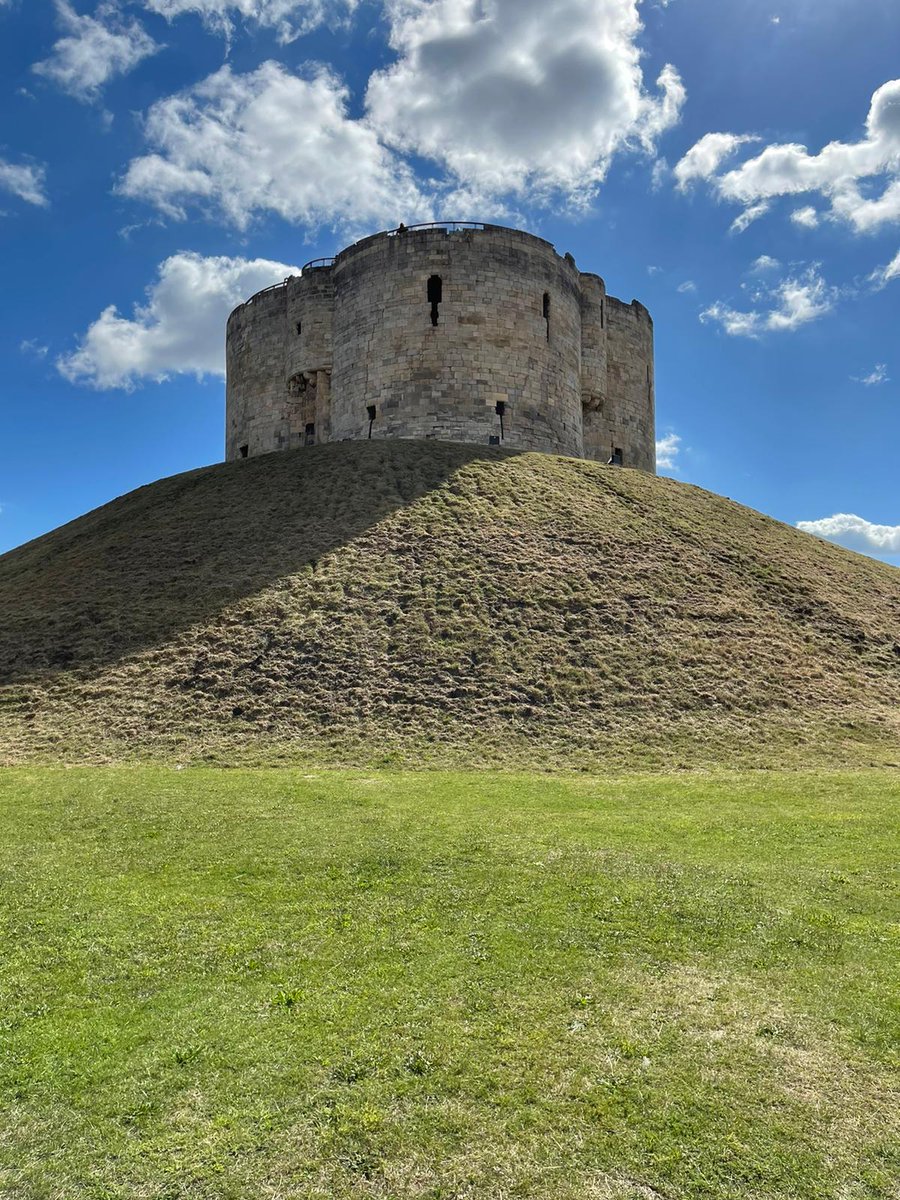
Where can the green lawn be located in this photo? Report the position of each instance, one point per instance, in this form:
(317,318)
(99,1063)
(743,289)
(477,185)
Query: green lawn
(278,985)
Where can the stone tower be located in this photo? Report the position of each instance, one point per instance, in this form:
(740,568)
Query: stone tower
(464,333)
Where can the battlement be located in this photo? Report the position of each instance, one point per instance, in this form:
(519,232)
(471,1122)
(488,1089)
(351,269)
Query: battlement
(459,331)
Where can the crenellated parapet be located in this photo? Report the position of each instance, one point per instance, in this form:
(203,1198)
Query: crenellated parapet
(468,333)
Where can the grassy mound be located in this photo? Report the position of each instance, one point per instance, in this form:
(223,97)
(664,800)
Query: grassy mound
(400,602)
(236,985)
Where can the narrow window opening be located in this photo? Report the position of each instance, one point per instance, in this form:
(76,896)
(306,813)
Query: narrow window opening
(602,314)
(373,413)
(299,328)
(493,440)
(501,413)
(547,313)
(435,296)
(616,459)
(244,451)
(310,434)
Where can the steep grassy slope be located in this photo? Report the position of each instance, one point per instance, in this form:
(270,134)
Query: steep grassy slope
(406,602)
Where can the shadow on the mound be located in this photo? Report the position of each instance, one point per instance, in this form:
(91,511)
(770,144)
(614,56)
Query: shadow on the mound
(129,575)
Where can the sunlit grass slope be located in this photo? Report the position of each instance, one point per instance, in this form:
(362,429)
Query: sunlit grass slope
(408,602)
(242,985)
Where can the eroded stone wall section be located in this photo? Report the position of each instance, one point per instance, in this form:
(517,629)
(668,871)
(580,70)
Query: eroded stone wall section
(482,335)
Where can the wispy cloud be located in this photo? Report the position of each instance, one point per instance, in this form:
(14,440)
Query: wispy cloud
(94,49)
(749,215)
(883,275)
(876,376)
(25,180)
(288,18)
(781,307)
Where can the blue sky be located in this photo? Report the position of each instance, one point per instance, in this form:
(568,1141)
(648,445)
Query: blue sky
(734,166)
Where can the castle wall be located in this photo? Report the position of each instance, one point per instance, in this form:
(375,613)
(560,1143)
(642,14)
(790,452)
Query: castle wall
(474,335)
(490,345)
(308,355)
(594,366)
(625,421)
(255,394)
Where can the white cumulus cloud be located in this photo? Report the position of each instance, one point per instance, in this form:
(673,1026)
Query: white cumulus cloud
(25,180)
(271,141)
(706,156)
(855,533)
(806,217)
(781,307)
(667,450)
(94,49)
(764,264)
(179,330)
(844,174)
(289,18)
(520,96)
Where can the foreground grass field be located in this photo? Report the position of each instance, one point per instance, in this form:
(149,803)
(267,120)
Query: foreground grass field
(283,985)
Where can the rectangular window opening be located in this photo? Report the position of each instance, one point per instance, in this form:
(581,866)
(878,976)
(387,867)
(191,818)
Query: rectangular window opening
(244,451)
(547,313)
(310,434)
(435,297)
(299,328)
(373,413)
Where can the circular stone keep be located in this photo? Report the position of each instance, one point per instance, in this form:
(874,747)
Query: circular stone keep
(461,333)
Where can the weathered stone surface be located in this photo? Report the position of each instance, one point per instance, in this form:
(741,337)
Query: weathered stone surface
(463,335)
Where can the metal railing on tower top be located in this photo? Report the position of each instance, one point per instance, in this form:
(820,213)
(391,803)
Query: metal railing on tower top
(399,231)
(319,263)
